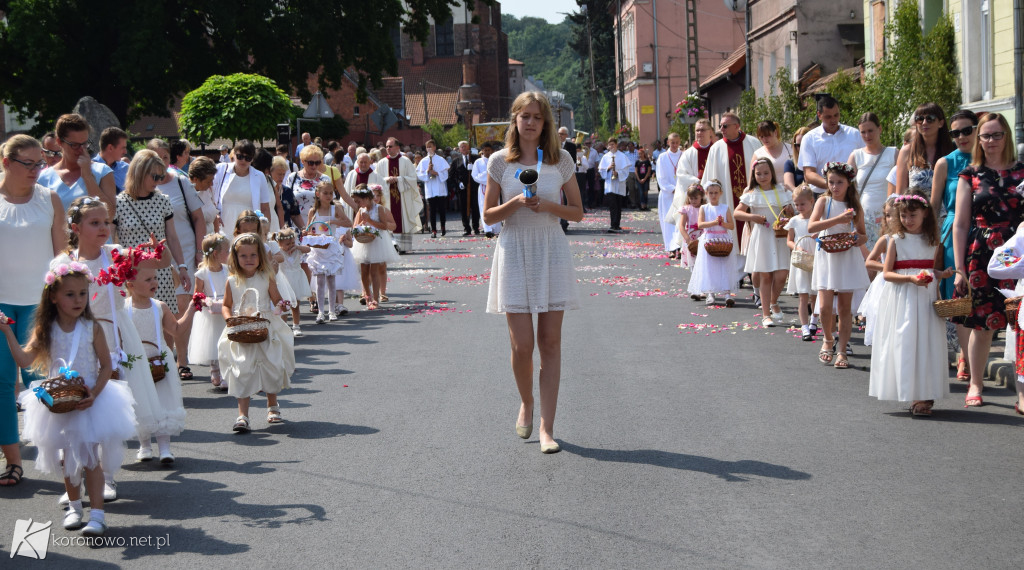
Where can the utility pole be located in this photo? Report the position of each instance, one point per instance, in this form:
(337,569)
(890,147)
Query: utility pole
(593,81)
(426,111)
(618,42)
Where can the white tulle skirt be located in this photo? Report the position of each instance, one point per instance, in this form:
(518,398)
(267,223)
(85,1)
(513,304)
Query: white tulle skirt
(868,307)
(380,250)
(298,281)
(207,327)
(347,279)
(91,437)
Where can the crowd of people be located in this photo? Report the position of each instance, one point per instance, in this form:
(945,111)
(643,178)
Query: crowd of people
(131,270)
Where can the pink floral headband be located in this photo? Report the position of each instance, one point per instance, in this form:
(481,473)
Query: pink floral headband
(65,269)
(907,197)
(840,167)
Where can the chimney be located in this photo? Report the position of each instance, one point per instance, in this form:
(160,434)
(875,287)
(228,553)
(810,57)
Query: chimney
(469,67)
(417,53)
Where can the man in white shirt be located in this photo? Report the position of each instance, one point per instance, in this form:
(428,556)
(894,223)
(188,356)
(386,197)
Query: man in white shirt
(433,172)
(829,142)
(665,170)
(614,168)
(480,177)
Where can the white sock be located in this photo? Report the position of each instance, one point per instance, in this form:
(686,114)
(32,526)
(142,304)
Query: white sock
(97,515)
(75,505)
(164,443)
(814,319)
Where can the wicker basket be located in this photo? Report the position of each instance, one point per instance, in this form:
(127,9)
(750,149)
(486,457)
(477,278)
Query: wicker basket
(66,392)
(838,243)
(802,259)
(157,364)
(956,307)
(364,237)
(248,328)
(718,248)
(693,247)
(1012,306)
(779,226)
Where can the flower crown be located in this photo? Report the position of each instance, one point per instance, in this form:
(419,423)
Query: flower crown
(75,209)
(907,197)
(373,187)
(66,269)
(840,167)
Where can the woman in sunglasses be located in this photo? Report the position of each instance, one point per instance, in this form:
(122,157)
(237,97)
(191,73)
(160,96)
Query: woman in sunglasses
(989,208)
(75,174)
(299,188)
(964,133)
(916,162)
(238,187)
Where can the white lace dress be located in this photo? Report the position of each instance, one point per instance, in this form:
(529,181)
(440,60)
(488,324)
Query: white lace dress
(168,390)
(90,436)
(714,274)
(532,270)
(844,271)
(208,324)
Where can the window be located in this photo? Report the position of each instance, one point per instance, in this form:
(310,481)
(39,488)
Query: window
(759,86)
(773,67)
(444,38)
(511,73)
(977,56)
(787,59)
(628,46)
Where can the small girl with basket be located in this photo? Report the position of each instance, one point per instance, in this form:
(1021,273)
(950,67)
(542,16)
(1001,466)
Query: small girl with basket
(255,352)
(291,268)
(326,258)
(387,237)
(153,319)
(79,411)
(801,242)
(875,263)
(838,219)
(369,254)
(208,323)
(908,363)
(766,206)
(714,271)
(686,227)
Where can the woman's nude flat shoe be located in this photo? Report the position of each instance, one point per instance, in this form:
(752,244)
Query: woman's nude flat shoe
(524,431)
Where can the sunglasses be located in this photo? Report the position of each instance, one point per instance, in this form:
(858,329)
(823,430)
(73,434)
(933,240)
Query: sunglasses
(31,166)
(157,177)
(957,133)
(314,162)
(992,136)
(244,157)
(52,153)
(925,119)
(74,145)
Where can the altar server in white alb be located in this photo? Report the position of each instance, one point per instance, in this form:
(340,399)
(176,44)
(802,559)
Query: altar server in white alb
(665,170)
(614,169)
(432,171)
(480,176)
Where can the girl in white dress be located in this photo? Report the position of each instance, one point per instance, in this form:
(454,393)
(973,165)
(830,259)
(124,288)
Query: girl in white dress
(532,270)
(291,268)
(65,340)
(875,263)
(766,205)
(800,280)
(380,251)
(908,363)
(252,367)
(714,275)
(686,226)
(90,231)
(388,237)
(838,275)
(324,218)
(207,324)
(153,319)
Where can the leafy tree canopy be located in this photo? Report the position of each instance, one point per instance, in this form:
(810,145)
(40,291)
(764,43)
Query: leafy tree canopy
(135,57)
(238,106)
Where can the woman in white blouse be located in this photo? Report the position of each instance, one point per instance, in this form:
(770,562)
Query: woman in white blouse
(238,187)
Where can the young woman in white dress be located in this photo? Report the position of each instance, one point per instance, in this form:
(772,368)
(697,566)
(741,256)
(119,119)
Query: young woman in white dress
(532,272)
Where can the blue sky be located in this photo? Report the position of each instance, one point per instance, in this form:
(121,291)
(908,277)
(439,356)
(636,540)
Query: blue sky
(547,9)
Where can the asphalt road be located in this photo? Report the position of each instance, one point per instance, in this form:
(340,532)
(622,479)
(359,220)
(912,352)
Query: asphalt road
(691,438)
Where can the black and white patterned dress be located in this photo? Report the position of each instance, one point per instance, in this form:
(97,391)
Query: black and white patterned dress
(135,219)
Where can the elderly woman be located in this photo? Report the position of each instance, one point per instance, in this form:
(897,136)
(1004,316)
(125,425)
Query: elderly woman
(299,188)
(76,174)
(201,173)
(277,171)
(32,217)
(142,211)
(190,226)
(361,174)
(238,187)
(989,208)
(264,162)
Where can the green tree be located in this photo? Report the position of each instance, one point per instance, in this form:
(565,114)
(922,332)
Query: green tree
(238,106)
(136,57)
(783,105)
(602,32)
(446,137)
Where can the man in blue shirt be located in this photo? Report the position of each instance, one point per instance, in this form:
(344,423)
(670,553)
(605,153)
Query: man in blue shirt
(113,147)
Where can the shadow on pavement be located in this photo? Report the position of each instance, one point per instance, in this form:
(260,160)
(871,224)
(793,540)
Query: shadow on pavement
(321,430)
(178,540)
(726,470)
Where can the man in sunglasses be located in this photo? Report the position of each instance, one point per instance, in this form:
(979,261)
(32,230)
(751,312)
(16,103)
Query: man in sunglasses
(831,141)
(51,149)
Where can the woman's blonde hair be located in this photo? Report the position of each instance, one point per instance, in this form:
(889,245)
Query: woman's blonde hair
(311,152)
(548,136)
(796,150)
(144,163)
(1009,150)
(16,144)
(279,163)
